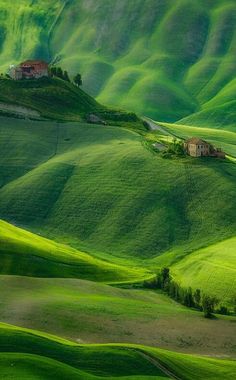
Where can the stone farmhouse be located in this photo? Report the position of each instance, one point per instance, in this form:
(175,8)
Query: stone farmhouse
(196,147)
(31,69)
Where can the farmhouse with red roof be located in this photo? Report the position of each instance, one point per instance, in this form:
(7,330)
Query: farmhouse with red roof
(31,69)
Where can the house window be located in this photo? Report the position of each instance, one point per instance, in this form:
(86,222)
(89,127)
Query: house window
(27,69)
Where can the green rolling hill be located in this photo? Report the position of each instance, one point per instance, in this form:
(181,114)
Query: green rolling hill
(50,98)
(30,353)
(56,99)
(27,254)
(102,190)
(165,59)
(212,268)
(88,212)
(92,312)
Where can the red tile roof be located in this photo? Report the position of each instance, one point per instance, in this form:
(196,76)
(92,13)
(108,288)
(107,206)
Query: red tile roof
(34,62)
(196,141)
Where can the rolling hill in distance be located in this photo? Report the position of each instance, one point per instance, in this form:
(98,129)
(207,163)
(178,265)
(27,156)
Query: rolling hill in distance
(164,59)
(91,212)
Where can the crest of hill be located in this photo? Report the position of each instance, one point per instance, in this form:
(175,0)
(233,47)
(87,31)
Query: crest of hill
(53,98)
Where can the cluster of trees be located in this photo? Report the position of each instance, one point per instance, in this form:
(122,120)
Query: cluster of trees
(63,74)
(186,296)
(175,148)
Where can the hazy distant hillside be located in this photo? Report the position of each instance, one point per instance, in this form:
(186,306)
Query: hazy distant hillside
(164,58)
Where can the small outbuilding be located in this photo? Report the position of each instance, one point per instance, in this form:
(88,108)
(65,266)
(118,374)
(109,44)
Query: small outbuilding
(95,119)
(219,153)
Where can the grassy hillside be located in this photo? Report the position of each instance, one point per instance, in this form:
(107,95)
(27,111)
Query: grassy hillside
(110,208)
(103,191)
(218,112)
(100,188)
(52,98)
(27,254)
(212,268)
(35,351)
(98,313)
(56,99)
(84,361)
(164,59)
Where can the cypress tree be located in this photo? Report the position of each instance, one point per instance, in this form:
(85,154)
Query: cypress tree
(197,298)
(78,80)
(66,76)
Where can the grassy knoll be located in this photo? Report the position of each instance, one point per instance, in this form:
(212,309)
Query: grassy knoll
(100,188)
(164,59)
(89,312)
(26,254)
(52,98)
(56,99)
(221,117)
(102,361)
(31,367)
(212,268)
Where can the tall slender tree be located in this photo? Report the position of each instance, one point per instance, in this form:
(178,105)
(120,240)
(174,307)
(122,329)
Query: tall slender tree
(78,80)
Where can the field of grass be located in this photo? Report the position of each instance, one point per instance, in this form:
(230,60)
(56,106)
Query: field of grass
(101,205)
(34,354)
(88,312)
(56,99)
(82,361)
(164,59)
(52,173)
(27,254)
(52,98)
(100,189)
(220,117)
(212,268)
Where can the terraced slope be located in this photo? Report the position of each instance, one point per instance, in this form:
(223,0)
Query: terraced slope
(31,352)
(164,59)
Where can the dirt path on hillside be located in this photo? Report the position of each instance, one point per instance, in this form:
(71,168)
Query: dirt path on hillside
(156,127)
(158,365)
(19,110)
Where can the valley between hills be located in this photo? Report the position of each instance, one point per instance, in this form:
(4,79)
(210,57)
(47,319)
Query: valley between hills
(94,214)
